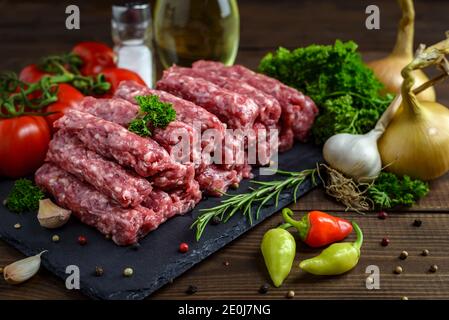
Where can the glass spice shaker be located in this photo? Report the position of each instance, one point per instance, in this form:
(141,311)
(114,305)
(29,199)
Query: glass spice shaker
(132,36)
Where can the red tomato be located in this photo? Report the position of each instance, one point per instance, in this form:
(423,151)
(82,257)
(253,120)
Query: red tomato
(23,145)
(31,74)
(96,57)
(117,75)
(67,95)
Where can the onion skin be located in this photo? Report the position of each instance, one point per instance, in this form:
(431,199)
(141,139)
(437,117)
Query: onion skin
(388,71)
(417,143)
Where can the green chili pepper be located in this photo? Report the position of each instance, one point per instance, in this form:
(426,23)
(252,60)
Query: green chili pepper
(278,249)
(336,259)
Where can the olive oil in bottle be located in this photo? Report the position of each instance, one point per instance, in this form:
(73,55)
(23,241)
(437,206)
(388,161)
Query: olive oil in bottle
(191,30)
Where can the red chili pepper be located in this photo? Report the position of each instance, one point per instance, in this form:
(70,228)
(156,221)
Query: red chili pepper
(317,228)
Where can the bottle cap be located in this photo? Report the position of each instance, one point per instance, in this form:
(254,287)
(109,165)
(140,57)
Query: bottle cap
(135,13)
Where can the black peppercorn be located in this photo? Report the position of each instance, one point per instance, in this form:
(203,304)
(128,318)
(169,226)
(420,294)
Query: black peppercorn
(385,242)
(136,246)
(417,223)
(191,289)
(264,288)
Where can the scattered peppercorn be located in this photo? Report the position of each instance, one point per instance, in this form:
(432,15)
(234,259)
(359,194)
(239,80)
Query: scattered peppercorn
(433,268)
(226,263)
(417,223)
(216,220)
(264,288)
(425,252)
(404,298)
(398,270)
(128,272)
(382,215)
(183,247)
(290,294)
(403,255)
(99,271)
(55,238)
(108,237)
(191,289)
(82,240)
(385,242)
(235,186)
(17,226)
(136,246)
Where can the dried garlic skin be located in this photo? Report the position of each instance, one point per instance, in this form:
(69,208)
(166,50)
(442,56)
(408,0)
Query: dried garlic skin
(52,216)
(22,270)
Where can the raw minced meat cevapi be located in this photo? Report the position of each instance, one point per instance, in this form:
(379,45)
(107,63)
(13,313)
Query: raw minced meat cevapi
(113,141)
(108,177)
(123,112)
(124,225)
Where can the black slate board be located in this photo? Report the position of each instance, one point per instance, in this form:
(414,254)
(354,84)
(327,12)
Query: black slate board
(157,260)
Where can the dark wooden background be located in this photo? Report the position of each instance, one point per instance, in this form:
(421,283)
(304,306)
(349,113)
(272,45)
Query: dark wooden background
(30,29)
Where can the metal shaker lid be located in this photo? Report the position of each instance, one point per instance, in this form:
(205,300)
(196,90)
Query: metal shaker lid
(131,12)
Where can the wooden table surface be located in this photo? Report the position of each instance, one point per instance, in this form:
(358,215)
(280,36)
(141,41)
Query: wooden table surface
(31,29)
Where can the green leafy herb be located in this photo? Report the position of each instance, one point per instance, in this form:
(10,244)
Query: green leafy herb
(153,114)
(389,191)
(336,78)
(24,196)
(268,192)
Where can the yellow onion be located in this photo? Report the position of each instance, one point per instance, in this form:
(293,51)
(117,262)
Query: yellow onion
(416,141)
(388,70)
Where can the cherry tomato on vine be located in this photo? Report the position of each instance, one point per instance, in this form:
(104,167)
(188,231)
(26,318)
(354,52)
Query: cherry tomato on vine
(67,95)
(96,57)
(31,73)
(23,145)
(117,75)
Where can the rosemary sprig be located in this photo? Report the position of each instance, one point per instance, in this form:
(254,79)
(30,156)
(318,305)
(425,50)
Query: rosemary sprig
(261,196)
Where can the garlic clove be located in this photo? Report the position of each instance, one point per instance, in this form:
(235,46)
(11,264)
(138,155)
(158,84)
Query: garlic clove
(52,216)
(22,270)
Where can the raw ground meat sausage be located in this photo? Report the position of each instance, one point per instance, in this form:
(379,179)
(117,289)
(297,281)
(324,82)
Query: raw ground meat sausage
(113,141)
(298,110)
(122,112)
(186,111)
(236,110)
(174,202)
(269,107)
(93,208)
(111,179)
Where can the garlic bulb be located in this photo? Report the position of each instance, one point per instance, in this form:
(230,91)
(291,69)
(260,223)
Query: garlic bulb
(22,270)
(357,155)
(51,216)
(388,70)
(416,142)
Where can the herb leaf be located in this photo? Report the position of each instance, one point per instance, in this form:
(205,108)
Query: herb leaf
(24,196)
(336,78)
(153,113)
(389,191)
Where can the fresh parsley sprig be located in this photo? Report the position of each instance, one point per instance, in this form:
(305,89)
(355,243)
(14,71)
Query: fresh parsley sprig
(153,114)
(389,191)
(250,204)
(24,196)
